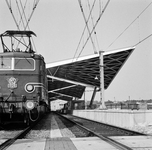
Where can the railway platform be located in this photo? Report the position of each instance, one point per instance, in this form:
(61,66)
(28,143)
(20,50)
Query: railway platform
(57,142)
(136,120)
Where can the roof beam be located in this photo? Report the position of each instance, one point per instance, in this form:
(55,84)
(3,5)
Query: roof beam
(67,87)
(69,81)
(61,94)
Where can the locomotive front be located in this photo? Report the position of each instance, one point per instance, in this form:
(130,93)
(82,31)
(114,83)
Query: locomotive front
(23,83)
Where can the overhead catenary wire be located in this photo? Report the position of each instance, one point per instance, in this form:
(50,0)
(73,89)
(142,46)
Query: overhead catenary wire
(21,19)
(9,6)
(17,24)
(93,24)
(22,14)
(86,22)
(23,9)
(128,26)
(84,29)
(94,27)
(135,45)
(34,7)
(144,39)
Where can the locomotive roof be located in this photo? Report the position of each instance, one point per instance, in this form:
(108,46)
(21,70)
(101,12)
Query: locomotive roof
(20,54)
(18,33)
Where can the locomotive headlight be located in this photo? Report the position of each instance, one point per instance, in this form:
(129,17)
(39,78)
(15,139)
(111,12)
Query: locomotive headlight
(29,88)
(29,105)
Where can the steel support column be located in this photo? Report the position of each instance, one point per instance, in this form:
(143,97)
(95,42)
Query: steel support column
(93,96)
(102,102)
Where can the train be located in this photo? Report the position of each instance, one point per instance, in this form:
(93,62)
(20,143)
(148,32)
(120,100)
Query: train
(23,80)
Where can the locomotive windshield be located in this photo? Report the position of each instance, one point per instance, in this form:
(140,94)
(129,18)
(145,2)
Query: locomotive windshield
(24,63)
(17,63)
(5,63)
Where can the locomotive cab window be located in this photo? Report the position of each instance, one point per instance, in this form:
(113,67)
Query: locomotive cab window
(24,64)
(5,63)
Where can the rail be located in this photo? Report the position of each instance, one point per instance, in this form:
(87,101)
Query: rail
(112,142)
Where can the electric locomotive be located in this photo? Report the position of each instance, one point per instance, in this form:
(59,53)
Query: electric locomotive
(23,80)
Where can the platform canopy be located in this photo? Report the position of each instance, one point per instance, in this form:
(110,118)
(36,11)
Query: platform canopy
(68,79)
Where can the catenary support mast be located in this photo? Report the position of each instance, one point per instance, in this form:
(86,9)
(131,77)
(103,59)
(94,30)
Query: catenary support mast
(101,66)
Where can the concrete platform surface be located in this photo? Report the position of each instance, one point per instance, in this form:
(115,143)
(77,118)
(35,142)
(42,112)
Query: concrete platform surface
(55,131)
(91,143)
(136,142)
(28,144)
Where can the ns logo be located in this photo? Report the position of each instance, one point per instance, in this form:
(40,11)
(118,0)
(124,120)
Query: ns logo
(12,82)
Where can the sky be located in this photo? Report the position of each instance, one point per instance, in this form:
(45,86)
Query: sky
(59,24)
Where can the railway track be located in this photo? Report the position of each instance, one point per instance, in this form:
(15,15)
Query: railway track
(91,130)
(14,134)
(101,128)
(10,141)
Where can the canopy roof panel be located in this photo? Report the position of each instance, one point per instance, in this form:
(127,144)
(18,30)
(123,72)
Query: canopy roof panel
(85,71)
